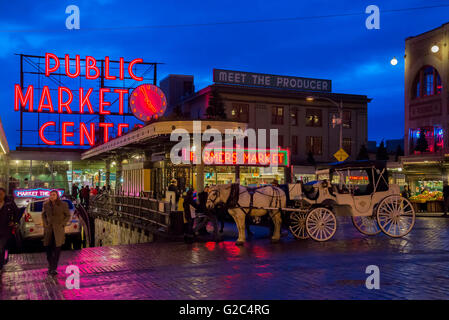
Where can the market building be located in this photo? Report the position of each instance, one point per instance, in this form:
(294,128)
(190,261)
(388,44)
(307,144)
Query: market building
(426,110)
(301,109)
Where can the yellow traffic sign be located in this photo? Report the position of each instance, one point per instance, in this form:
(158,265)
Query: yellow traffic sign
(341,155)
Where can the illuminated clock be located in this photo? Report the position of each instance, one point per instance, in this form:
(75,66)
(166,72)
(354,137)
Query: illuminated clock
(147,101)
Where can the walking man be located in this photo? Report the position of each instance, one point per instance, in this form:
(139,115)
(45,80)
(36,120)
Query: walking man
(55,216)
(8,220)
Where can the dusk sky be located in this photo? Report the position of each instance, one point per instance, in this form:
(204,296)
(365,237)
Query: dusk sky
(339,48)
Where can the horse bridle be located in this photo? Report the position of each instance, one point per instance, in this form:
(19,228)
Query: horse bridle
(215,192)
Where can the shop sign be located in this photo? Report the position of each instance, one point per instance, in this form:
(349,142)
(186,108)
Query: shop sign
(271,81)
(37,193)
(257,158)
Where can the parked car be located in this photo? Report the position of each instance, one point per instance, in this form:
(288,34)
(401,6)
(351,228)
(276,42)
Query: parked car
(31,225)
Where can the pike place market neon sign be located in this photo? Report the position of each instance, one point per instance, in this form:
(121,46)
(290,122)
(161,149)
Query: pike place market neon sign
(63,104)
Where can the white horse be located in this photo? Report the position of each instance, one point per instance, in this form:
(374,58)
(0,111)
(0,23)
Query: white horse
(254,203)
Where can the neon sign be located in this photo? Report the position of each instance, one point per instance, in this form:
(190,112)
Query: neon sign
(147,101)
(37,193)
(257,158)
(61,100)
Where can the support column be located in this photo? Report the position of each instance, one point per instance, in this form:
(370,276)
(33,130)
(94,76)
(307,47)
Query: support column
(108,172)
(118,174)
(7,172)
(237,174)
(199,169)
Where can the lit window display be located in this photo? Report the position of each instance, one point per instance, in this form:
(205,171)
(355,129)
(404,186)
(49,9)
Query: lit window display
(258,176)
(432,135)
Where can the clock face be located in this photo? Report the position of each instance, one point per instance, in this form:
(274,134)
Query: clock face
(147,101)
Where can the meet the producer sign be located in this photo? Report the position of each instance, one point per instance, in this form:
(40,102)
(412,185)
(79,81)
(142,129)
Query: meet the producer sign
(271,81)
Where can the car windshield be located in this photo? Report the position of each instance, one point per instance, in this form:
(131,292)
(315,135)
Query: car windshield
(37,206)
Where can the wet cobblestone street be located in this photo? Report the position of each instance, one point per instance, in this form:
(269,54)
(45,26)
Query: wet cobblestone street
(414,267)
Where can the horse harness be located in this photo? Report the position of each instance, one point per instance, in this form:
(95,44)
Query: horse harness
(233,200)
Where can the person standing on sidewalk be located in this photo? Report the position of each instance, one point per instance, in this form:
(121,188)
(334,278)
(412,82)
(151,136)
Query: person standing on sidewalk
(445,198)
(55,216)
(9,214)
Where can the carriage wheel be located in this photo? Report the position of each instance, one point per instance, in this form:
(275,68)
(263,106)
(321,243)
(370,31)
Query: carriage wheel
(395,216)
(366,225)
(298,224)
(321,224)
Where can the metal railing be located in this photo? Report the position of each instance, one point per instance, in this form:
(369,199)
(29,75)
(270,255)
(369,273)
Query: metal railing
(140,211)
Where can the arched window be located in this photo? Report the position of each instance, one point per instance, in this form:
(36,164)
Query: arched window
(427,83)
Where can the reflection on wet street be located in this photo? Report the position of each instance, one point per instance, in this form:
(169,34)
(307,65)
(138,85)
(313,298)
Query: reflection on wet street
(414,267)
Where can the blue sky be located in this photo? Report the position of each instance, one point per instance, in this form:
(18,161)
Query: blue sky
(337,48)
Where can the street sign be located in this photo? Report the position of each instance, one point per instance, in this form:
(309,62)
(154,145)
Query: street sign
(341,155)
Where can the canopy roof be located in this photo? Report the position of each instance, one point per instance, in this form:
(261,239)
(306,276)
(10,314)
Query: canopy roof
(354,165)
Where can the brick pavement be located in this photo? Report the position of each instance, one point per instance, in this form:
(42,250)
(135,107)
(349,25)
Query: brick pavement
(414,267)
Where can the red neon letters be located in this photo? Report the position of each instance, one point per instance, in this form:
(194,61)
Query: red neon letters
(92,70)
(81,102)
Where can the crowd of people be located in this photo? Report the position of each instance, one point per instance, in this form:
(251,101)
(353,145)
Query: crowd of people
(84,193)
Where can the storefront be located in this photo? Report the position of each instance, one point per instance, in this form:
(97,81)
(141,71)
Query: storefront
(46,169)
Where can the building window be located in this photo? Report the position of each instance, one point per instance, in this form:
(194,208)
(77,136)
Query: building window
(295,145)
(294,117)
(313,118)
(427,83)
(347,119)
(347,145)
(281,141)
(240,111)
(314,145)
(277,115)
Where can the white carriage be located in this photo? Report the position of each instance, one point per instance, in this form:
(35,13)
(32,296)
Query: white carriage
(358,189)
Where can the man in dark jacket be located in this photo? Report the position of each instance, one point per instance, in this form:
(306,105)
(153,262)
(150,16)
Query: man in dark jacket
(189,203)
(9,215)
(75,191)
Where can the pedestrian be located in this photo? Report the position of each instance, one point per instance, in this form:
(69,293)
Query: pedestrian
(406,192)
(75,191)
(84,195)
(55,217)
(189,205)
(202,199)
(172,193)
(9,216)
(445,198)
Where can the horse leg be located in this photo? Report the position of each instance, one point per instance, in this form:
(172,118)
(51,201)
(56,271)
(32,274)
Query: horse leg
(247,226)
(239,218)
(214,221)
(277,221)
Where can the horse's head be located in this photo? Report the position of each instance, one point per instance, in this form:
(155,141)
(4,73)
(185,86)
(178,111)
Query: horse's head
(217,195)
(213,197)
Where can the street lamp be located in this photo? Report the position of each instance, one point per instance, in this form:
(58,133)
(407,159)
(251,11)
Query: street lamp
(435,48)
(340,111)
